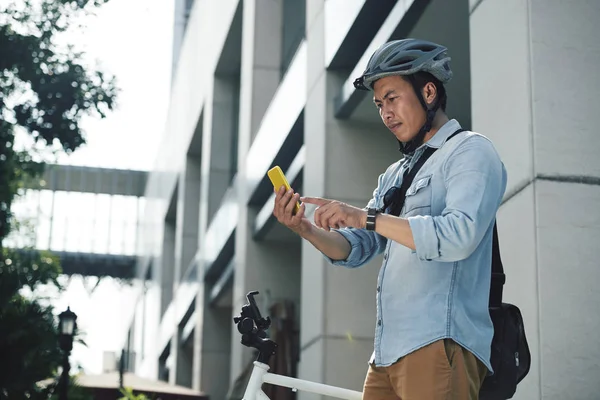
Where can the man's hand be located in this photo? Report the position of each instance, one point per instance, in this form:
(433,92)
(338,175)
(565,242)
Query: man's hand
(332,244)
(335,214)
(283,211)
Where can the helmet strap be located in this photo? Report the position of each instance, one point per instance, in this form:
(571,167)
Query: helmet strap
(410,146)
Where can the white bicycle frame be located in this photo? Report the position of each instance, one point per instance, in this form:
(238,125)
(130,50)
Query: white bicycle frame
(261,375)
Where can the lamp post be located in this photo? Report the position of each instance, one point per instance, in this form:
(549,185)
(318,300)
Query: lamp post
(67,326)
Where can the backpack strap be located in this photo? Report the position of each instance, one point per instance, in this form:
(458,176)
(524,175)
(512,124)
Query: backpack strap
(455,133)
(498,277)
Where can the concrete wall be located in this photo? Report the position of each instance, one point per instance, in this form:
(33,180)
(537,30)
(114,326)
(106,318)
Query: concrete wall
(534,83)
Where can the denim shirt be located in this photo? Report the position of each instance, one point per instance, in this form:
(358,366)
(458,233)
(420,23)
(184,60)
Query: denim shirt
(441,290)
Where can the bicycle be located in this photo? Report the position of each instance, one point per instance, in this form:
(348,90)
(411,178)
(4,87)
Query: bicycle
(253,328)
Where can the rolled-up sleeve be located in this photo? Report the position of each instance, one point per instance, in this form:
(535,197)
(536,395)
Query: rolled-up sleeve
(475,180)
(364,246)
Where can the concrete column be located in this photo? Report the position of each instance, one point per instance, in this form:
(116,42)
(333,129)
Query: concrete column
(184,362)
(534,85)
(257,266)
(211,340)
(188,208)
(214,349)
(212,330)
(150,315)
(167,263)
(223,135)
(346,158)
(186,245)
(261,65)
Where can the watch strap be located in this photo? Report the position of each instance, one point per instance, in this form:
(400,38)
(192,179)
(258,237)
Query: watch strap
(371,216)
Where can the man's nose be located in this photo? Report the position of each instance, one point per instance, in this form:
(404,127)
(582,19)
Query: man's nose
(387,113)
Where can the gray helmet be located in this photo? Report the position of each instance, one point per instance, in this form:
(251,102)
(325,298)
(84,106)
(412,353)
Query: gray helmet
(406,57)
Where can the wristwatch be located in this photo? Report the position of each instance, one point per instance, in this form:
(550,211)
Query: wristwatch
(371,215)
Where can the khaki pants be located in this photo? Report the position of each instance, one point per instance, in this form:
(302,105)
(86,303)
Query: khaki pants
(442,370)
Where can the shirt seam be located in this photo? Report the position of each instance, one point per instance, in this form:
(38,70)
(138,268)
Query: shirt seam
(450,299)
(380,316)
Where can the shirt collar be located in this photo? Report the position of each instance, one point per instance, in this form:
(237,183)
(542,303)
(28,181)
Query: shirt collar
(442,134)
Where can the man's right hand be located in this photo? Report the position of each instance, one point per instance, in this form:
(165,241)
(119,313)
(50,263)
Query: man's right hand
(330,243)
(283,211)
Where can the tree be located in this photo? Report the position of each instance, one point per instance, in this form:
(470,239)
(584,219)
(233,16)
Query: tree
(28,333)
(45,91)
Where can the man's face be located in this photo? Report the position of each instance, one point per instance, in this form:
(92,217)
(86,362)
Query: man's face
(399,107)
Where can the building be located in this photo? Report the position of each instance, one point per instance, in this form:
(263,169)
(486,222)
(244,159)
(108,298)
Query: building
(262,83)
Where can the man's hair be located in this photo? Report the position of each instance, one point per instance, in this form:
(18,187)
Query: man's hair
(422,78)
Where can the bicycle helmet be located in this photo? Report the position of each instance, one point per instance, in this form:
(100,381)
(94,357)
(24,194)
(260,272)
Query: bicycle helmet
(407,57)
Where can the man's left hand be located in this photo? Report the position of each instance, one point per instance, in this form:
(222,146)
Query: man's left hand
(335,214)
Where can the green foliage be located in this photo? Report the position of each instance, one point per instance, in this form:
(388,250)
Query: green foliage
(26,268)
(45,89)
(28,331)
(129,395)
(15,168)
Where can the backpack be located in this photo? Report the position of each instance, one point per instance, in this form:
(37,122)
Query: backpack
(510,357)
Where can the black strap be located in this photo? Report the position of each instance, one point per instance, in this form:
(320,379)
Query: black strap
(498,277)
(409,176)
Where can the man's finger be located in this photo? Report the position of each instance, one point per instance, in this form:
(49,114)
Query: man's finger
(291,204)
(279,192)
(316,216)
(328,218)
(300,214)
(283,202)
(335,221)
(318,201)
(320,212)
(279,204)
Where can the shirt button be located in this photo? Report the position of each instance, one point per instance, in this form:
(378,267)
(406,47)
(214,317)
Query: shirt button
(379,322)
(378,288)
(385,256)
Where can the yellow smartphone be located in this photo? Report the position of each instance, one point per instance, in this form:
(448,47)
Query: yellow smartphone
(278,180)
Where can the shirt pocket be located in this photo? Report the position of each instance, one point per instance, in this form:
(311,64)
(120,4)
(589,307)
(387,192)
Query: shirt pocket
(418,198)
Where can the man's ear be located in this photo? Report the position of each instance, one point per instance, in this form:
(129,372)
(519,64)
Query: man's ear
(429,93)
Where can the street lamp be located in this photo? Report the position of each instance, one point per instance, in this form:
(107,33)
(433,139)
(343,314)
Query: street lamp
(67,325)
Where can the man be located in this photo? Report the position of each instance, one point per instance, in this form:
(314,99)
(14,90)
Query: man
(433,329)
